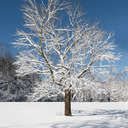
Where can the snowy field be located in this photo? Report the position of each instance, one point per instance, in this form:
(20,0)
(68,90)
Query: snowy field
(50,115)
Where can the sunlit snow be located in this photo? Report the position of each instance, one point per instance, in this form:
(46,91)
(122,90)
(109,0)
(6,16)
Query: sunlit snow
(51,115)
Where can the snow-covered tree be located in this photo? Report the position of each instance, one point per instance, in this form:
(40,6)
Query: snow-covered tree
(118,85)
(58,43)
(14,88)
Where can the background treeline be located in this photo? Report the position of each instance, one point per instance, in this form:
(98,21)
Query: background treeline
(13,87)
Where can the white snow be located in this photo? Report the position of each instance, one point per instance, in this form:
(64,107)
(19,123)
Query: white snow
(51,115)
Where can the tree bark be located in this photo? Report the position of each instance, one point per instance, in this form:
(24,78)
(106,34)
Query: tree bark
(67,102)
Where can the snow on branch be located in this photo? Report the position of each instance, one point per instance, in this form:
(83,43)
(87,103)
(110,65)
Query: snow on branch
(61,51)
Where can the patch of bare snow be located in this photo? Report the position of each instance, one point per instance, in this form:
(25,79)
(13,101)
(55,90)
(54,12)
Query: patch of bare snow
(51,115)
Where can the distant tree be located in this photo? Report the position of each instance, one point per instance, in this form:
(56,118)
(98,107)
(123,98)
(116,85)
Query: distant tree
(117,85)
(13,88)
(7,68)
(64,50)
(7,73)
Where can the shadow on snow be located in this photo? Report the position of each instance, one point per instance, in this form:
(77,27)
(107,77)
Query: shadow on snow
(100,119)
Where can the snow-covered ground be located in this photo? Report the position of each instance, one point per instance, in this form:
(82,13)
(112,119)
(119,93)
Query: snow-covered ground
(50,115)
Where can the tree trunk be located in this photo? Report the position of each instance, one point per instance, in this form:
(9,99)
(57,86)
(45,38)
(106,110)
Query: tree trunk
(67,102)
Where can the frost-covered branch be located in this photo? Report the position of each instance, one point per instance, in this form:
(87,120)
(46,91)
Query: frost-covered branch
(61,52)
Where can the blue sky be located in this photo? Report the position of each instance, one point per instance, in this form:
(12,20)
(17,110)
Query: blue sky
(111,14)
